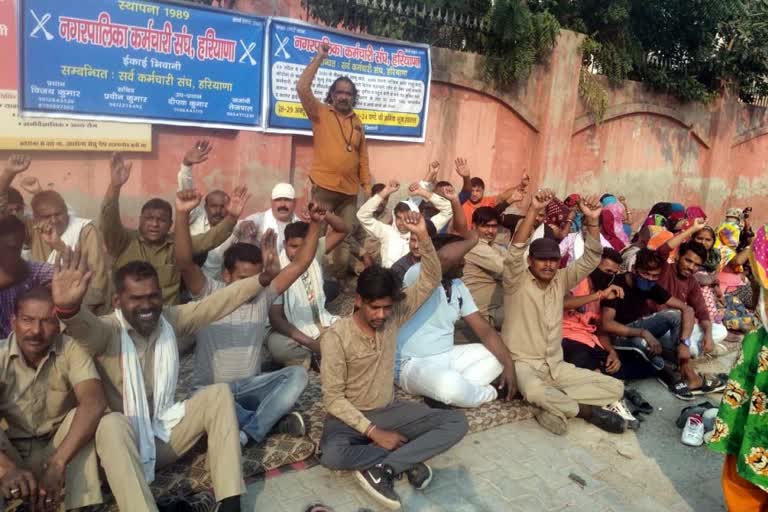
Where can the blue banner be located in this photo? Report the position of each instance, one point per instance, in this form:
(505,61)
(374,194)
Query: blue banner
(392,79)
(129,60)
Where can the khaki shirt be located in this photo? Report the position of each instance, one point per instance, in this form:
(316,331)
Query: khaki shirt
(101,336)
(483,271)
(126,245)
(358,372)
(33,402)
(533,316)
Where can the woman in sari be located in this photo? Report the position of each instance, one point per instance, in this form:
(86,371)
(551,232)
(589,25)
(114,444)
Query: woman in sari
(707,275)
(741,426)
(612,222)
(737,292)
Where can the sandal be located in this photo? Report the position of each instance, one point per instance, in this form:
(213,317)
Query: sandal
(709,384)
(636,399)
(679,389)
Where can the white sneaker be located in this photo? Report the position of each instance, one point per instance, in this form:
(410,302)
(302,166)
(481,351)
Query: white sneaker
(620,408)
(693,433)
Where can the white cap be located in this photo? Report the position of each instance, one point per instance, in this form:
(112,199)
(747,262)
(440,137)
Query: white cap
(283,191)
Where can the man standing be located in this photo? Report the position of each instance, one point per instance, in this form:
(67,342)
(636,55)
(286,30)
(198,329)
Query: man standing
(366,431)
(52,403)
(340,162)
(533,321)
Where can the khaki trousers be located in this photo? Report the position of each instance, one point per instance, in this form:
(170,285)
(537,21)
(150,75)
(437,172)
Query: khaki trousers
(286,352)
(114,446)
(211,411)
(345,206)
(562,388)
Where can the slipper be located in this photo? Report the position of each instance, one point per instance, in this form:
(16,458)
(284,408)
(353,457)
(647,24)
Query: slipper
(709,384)
(679,389)
(636,399)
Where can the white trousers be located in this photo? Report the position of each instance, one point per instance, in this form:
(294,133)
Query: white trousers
(459,377)
(719,333)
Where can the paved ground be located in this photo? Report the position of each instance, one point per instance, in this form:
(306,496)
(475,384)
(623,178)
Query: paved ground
(520,467)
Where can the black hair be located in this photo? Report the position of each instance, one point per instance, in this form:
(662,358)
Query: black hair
(296,230)
(694,247)
(40,293)
(248,253)
(47,196)
(138,270)
(378,187)
(443,184)
(12,225)
(484,215)
(14,196)
(377,282)
(648,259)
(441,241)
(332,89)
(477,182)
(402,207)
(158,204)
(609,253)
(217,191)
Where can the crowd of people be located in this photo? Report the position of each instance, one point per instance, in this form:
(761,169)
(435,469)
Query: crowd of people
(456,300)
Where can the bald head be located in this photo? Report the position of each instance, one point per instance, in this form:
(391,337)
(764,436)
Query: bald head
(216,206)
(49,206)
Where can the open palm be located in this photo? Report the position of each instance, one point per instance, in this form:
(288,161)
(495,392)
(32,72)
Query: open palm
(70,280)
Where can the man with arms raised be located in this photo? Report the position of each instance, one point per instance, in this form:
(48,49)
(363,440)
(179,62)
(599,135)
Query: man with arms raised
(214,207)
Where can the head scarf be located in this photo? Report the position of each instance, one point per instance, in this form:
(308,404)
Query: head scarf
(759,263)
(557,212)
(695,212)
(659,236)
(726,242)
(617,212)
(656,220)
(734,213)
(673,219)
(663,209)
(571,202)
(608,199)
(712,262)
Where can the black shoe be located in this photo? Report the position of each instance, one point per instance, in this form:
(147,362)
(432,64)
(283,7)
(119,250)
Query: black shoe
(419,475)
(292,424)
(637,400)
(436,404)
(607,420)
(379,482)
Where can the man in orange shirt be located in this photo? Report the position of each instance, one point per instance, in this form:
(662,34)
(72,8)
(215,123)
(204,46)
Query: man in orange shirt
(472,195)
(340,163)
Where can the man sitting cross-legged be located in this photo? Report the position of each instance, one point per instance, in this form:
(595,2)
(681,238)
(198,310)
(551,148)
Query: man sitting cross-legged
(137,354)
(427,361)
(56,434)
(366,431)
(533,320)
(229,349)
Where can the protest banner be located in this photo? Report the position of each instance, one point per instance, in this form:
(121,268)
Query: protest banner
(392,79)
(131,60)
(25,134)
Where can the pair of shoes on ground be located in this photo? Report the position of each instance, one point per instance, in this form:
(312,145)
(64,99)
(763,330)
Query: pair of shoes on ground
(292,424)
(678,387)
(697,421)
(379,482)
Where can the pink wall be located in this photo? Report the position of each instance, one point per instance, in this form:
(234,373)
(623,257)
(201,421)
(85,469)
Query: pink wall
(649,147)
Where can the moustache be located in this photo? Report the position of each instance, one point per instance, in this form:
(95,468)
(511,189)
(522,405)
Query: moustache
(283,209)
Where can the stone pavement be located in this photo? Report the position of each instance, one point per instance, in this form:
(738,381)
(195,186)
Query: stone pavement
(520,467)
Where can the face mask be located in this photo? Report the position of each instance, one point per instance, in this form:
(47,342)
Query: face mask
(644,284)
(601,280)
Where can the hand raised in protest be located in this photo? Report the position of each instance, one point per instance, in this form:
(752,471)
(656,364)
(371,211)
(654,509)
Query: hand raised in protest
(269,257)
(31,185)
(432,170)
(324,49)
(414,222)
(462,169)
(317,212)
(17,164)
(519,192)
(187,200)
(542,198)
(391,187)
(71,277)
(449,193)
(415,189)
(237,201)
(119,170)
(198,154)
(590,206)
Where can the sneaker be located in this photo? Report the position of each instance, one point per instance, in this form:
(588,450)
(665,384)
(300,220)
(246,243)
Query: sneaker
(379,482)
(419,475)
(292,424)
(640,346)
(693,433)
(608,420)
(551,422)
(620,408)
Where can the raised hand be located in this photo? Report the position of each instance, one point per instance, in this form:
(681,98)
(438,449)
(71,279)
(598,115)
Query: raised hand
(431,176)
(414,222)
(237,201)
(391,187)
(317,212)
(462,169)
(119,170)
(590,206)
(187,200)
(246,232)
(699,224)
(415,189)
(324,48)
(198,154)
(450,193)
(70,280)
(269,257)
(542,198)
(17,164)
(49,235)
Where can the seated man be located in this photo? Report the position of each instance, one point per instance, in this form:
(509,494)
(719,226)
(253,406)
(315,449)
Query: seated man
(137,354)
(214,207)
(366,431)
(659,337)
(229,349)
(298,317)
(56,435)
(532,331)
(401,266)
(472,195)
(16,274)
(152,242)
(583,345)
(428,363)
(394,238)
(679,281)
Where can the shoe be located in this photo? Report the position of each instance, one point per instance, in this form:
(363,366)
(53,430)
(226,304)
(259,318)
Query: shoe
(708,419)
(640,346)
(636,399)
(608,421)
(419,475)
(552,422)
(292,424)
(679,389)
(379,482)
(693,433)
(620,408)
(710,384)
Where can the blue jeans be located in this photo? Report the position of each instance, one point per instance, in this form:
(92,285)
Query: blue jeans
(665,327)
(261,400)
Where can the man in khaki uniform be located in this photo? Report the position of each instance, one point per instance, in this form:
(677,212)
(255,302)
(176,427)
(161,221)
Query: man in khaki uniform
(533,321)
(139,302)
(53,404)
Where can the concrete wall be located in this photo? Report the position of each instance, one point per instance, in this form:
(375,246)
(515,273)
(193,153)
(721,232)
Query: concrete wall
(649,148)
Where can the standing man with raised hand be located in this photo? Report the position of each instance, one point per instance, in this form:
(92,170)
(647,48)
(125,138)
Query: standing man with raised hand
(340,162)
